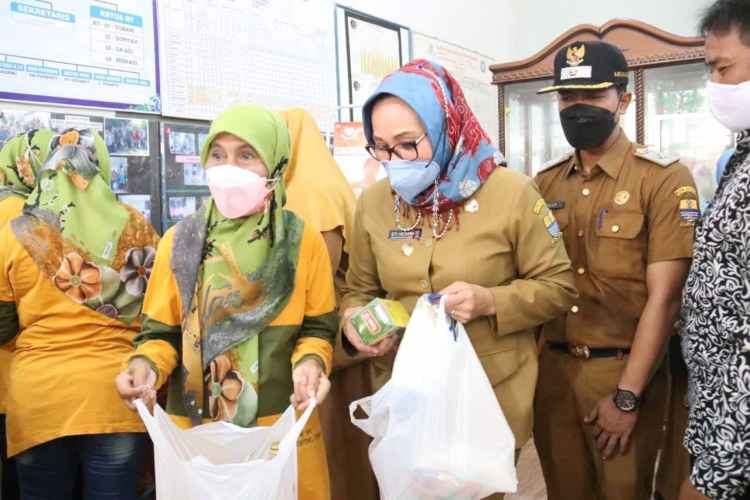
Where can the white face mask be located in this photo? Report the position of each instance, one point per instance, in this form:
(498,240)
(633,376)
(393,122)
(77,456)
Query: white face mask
(730,104)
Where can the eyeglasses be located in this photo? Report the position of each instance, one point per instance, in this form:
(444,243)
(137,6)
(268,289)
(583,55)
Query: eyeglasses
(404,150)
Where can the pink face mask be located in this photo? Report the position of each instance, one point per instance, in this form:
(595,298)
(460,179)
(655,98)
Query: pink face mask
(237,192)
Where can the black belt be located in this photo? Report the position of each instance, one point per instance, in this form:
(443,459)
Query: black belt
(586,352)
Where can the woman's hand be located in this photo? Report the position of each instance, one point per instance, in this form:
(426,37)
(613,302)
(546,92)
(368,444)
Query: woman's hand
(378,349)
(137,382)
(310,381)
(465,302)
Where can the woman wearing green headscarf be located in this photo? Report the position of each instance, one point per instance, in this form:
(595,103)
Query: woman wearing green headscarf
(20,160)
(240,310)
(73,271)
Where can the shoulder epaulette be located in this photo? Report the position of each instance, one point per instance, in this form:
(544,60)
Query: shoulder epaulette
(557,161)
(656,157)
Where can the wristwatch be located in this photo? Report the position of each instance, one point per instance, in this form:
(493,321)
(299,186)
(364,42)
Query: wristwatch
(626,400)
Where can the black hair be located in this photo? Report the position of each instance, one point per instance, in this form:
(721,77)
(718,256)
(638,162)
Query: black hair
(724,15)
(621,88)
(369,109)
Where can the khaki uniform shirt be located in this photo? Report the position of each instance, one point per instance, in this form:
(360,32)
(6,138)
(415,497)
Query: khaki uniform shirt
(506,241)
(635,208)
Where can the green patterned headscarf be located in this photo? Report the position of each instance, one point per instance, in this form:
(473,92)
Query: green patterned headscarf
(95,250)
(21,158)
(74,188)
(240,251)
(235,275)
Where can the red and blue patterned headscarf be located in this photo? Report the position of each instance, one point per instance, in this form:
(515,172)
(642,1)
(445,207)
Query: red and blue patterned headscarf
(460,146)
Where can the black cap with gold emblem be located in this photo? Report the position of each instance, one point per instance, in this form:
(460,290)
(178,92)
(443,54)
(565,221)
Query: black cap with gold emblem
(588,65)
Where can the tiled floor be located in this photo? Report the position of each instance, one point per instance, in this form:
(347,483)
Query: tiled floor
(530,480)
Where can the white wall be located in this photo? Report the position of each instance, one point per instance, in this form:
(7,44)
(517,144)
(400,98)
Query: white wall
(479,25)
(538,22)
(515,29)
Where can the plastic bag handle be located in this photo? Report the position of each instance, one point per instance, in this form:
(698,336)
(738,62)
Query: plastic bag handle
(294,433)
(291,436)
(145,415)
(364,424)
(149,420)
(360,403)
(451,323)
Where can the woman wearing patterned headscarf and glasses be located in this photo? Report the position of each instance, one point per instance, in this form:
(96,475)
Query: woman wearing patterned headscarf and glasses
(449,220)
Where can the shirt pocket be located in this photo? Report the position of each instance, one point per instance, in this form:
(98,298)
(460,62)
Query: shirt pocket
(622,245)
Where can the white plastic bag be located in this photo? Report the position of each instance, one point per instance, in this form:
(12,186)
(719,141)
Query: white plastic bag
(221,461)
(439,432)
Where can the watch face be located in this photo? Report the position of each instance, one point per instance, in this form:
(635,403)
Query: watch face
(626,401)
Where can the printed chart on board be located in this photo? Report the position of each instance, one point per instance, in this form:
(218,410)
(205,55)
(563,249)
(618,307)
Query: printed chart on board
(82,52)
(471,70)
(277,53)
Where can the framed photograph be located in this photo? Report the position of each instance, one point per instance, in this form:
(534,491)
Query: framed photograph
(181,206)
(194,174)
(141,202)
(126,137)
(181,143)
(119,181)
(15,122)
(369,48)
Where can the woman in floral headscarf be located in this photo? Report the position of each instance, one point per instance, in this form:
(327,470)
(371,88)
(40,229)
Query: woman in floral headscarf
(73,269)
(240,313)
(20,160)
(450,220)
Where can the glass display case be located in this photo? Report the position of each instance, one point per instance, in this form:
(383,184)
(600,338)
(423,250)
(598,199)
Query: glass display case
(669,112)
(533,134)
(678,122)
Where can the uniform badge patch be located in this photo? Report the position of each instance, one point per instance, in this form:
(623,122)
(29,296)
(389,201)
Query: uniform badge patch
(679,192)
(538,206)
(689,212)
(553,228)
(622,197)
(575,55)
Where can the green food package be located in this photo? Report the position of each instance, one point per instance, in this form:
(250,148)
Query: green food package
(380,318)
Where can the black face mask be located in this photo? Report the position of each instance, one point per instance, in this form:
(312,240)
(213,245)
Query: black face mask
(587,126)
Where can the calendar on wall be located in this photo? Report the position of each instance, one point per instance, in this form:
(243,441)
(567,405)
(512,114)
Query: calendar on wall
(276,53)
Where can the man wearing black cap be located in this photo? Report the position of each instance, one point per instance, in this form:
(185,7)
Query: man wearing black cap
(627,218)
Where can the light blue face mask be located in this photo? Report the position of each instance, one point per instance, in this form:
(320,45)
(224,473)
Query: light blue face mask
(409,178)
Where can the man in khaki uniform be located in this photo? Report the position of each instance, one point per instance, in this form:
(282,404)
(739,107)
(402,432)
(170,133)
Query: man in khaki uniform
(627,219)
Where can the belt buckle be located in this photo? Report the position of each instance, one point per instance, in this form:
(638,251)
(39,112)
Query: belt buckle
(580,351)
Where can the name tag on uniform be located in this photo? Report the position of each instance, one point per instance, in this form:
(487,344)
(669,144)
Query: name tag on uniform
(401,234)
(555,205)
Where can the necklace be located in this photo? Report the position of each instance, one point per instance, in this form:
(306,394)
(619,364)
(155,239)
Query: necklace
(397,215)
(437,218)
(439,226)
